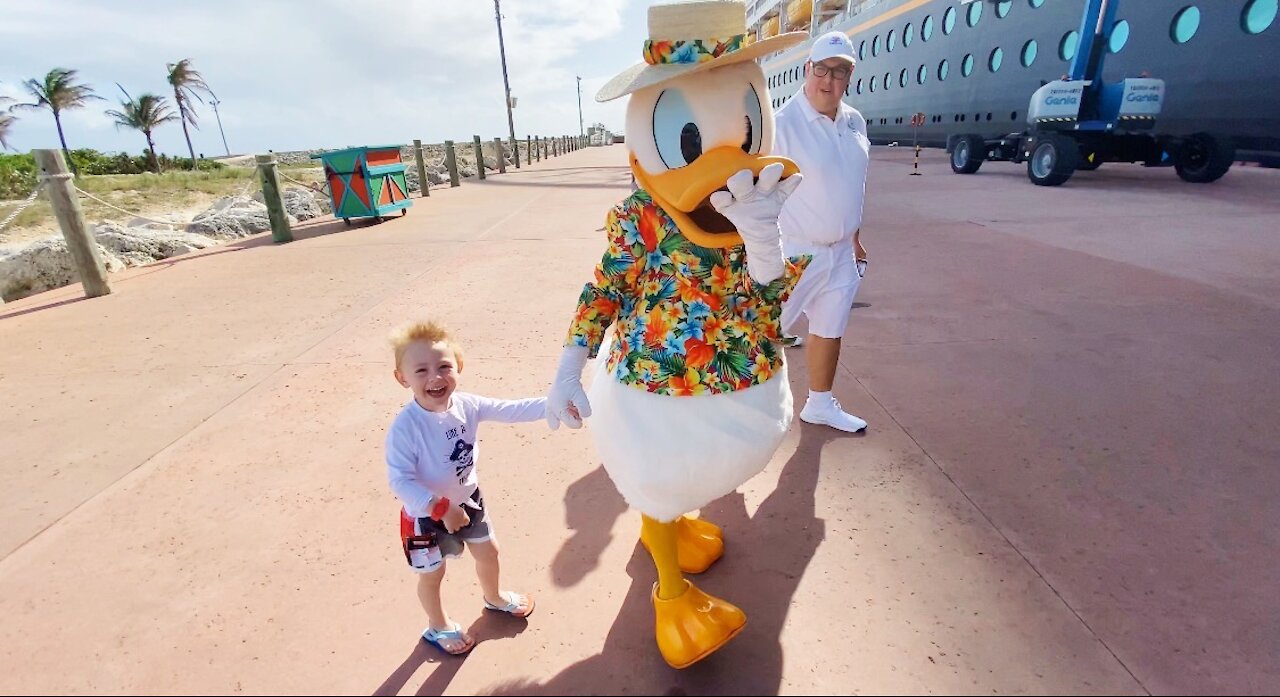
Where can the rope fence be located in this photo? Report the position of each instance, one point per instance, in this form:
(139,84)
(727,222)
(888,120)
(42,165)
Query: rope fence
(24,205)
(63,193)
(529,149)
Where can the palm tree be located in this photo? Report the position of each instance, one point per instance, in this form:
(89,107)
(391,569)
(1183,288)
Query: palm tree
(187,83)
(6,124)
(144,113)
(57,93)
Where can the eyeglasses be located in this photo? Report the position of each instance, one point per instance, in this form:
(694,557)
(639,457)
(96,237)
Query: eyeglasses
(839,73)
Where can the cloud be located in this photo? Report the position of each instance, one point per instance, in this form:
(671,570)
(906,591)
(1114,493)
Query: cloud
(325,73)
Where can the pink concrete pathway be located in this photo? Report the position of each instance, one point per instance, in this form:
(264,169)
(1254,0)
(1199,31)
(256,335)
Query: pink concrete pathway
(1068,485)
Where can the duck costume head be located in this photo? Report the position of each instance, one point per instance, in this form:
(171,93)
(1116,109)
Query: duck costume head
(692,399)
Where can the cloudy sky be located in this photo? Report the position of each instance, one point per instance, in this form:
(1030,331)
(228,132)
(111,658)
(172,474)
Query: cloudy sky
(323,73)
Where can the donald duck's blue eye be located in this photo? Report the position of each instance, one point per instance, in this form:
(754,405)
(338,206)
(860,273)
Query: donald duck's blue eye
(674,130)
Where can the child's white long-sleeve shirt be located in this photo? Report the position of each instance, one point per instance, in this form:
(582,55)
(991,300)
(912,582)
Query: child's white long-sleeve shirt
(433,454)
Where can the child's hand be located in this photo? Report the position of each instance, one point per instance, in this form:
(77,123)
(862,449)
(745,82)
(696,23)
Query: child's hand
(455,519)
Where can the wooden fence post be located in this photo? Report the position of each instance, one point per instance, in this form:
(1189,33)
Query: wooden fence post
(424,184)
(451,162)
(84,248)
(280,231)
(475,141)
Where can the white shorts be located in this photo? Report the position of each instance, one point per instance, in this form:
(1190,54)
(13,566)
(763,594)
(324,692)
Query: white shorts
(826,290)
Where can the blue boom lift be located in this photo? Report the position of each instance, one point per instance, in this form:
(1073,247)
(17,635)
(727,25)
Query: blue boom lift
(1079,122)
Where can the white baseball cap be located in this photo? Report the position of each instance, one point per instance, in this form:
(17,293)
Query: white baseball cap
(833,44)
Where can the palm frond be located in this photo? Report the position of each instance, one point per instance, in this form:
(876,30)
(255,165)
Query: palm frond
(670,363)
(144,113)
(187,84)
(6,124)
(57,92)
(732,366)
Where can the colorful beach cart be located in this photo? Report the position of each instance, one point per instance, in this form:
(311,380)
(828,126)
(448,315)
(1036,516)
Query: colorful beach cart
(365,182)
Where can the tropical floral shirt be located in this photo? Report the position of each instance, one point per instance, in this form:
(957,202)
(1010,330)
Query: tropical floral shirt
(690,319)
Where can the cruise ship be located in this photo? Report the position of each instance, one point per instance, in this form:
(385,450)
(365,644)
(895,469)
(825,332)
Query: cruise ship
(971,66)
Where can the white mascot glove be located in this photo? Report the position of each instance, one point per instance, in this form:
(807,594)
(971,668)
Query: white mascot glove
(754,210)
(566,390)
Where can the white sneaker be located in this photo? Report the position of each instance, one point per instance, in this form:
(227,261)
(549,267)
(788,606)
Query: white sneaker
(831,415)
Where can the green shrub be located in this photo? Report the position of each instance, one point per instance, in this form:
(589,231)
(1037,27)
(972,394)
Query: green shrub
(88,161)
(18,172)
(17,176)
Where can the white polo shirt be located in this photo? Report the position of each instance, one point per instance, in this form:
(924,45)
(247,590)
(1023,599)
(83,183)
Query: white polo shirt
(833,156)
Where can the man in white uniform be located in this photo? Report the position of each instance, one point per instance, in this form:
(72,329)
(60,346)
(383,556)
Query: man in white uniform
(828,139)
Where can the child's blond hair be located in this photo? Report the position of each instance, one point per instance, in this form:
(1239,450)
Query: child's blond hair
(429,331)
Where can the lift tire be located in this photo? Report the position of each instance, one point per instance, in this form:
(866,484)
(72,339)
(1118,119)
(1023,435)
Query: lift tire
(1204,158)
(1053,159)
(967,154)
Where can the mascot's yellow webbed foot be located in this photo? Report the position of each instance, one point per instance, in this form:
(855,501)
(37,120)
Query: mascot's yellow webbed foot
(692,625)
(698,543)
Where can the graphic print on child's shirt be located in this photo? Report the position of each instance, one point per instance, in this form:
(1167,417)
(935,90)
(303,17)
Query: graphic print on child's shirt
(462,459)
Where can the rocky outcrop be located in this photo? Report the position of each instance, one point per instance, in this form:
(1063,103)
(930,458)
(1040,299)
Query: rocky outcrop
(232,218)
(46,263)
(43,265)
(136,246)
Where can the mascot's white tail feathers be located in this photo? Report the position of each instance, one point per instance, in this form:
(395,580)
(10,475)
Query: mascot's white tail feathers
(672,455)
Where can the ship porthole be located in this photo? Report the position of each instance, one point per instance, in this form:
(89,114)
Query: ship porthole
(859,88)
(902,78)
(888,81)
(875,46)
(966,65)
(926,28)
(1258,15)
(1119,36)
(1029,51)
(943,68)
(908,34)
(996,58)
(921,74)
(862,50)
(1067,47)
(1185,24)
(974,14)
(949,20)
(1035,3)
(1002,8)
(891,42)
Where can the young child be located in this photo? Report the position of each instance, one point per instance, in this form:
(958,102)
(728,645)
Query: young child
(431,459)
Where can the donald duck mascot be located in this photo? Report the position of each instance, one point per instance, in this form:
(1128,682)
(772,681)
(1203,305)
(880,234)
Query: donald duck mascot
(692,398)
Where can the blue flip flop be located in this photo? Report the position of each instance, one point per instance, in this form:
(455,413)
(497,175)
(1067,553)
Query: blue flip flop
(435,636)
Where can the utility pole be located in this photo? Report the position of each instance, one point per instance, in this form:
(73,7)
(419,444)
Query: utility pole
(581,131)
(502,51)
(214,103)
